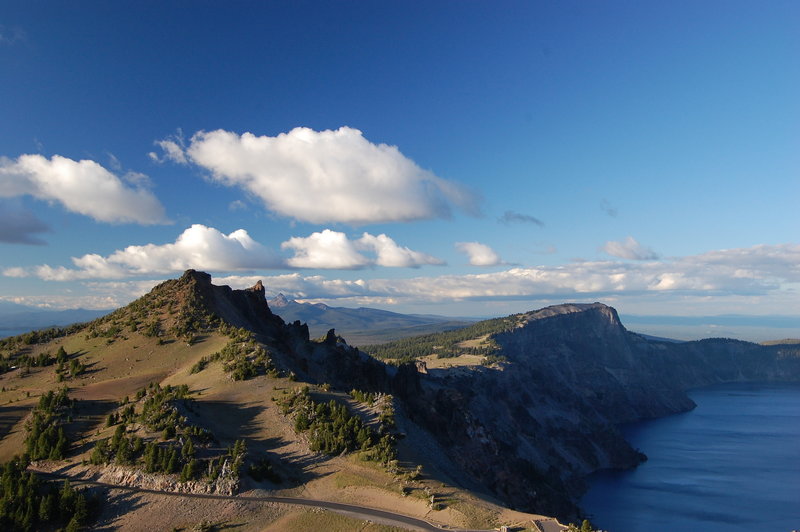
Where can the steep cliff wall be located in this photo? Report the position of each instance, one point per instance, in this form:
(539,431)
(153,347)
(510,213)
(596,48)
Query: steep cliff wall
(533,428)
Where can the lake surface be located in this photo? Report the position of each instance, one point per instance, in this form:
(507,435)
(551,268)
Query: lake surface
(731,464)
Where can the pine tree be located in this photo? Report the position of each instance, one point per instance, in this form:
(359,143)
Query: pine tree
(172,463)
(188,449)
(61,355)
(66,500)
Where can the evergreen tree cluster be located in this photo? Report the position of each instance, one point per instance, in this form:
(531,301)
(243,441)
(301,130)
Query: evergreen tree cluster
(168,457)
(158,408)
(177,453)
(332,430)
(366,398)
(242,358)
(40,361)
(120,448)
(25,360)
(27,503)
(46,439)
(39,337)
(443,344)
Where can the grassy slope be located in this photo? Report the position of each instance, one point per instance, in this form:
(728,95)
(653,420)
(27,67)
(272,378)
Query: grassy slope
(231,410)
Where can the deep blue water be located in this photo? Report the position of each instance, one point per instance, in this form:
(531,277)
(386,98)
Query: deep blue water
(731,464)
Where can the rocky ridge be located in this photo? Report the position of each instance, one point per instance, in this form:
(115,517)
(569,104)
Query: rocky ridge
(528,430)
(532,428)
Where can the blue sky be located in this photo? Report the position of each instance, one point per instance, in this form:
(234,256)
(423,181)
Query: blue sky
(461,158)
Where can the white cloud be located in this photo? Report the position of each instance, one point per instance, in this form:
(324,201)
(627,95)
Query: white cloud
(756,280)
(198,247)
(765,270)
(326,249)
(83,187)
(629,249)
(172,152)
(206,248)
(391,255)
(479,254)
(324,176)
(333,250)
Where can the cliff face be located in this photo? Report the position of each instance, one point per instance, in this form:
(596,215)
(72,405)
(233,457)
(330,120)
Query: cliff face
(530,429)
(533,428)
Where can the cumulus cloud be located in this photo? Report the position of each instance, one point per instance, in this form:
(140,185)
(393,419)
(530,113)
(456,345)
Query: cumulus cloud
(19,226)
(197,247)
(84,187)
(333,250)
(324,176)
(206,248)
(510,217)
(325,249)
(390,254)
(629,249)
(479,254)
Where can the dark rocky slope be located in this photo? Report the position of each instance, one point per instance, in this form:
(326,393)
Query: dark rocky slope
(530,429)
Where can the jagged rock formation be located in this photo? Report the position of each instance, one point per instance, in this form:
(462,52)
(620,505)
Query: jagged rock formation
(331,361)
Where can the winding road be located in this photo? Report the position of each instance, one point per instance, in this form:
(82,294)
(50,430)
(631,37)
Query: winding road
(351,510)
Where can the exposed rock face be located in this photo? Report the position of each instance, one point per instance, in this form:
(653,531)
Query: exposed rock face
(531,430)
(241,308)
(257,288)
(136,478)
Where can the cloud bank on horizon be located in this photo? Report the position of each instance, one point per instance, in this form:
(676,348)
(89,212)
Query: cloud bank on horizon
(763,270)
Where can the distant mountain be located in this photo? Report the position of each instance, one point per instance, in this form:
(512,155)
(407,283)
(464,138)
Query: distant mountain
(16,319)
(361,326)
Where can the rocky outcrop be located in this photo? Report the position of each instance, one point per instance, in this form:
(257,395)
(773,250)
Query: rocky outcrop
(533,428)
(135,478)
(530,429)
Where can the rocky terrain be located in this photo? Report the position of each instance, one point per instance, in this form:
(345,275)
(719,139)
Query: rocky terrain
(531,428)
(522,426)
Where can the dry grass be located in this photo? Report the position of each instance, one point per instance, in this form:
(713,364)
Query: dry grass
(433,362)
(232,410)
(327,521)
